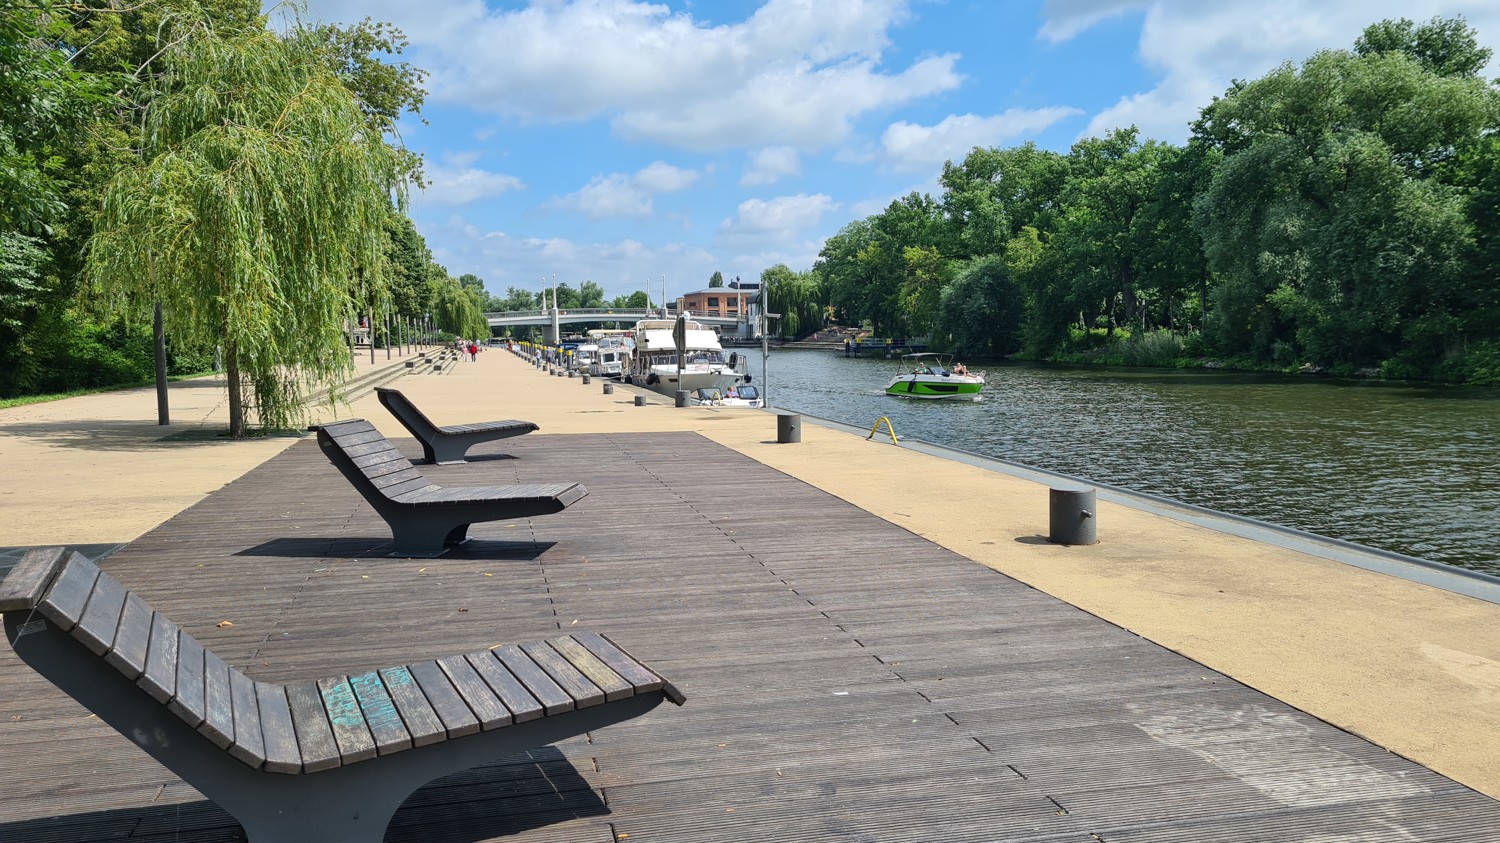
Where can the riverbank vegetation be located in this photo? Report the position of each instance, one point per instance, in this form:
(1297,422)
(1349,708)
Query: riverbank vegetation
(1339,215)
(245,179)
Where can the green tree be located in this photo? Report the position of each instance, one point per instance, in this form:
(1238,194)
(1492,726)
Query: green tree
(716,280)
(590,295)
(256,214)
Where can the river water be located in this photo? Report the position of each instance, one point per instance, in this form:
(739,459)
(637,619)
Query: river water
(1410,469)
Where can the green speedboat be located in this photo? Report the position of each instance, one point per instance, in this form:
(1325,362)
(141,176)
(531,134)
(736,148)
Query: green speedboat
(932,375)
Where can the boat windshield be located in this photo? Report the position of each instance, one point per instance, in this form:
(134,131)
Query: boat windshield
(747,392)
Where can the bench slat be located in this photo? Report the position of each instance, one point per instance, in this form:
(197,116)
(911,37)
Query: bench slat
(390,455)
(128,655)
(349,729)
(218,711)
(64,602)
(160,678)
(483,702)
(457,719)
(249,746)
(620,662)
(380,712)
(597,672)
(310,721)
(101,618)
(553,698)
(370,449)
(187,703)
(357,435)
(523,706)
(389,469)
(276,730)
(416,711)
(24,586)
(578,686)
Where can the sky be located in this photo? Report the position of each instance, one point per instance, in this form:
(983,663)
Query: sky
(646,145)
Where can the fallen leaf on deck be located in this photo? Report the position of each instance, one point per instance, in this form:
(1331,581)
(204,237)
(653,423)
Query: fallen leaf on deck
(223,624)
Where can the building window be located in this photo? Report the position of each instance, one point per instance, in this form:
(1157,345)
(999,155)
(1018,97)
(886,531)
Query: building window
(713,302)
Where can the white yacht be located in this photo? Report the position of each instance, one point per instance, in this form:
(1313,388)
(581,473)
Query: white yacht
(654,361)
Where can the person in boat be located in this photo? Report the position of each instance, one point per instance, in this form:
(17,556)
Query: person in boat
(960,369)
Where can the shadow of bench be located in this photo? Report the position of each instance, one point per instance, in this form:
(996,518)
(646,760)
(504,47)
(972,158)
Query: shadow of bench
(447,444)
(426,518)
(316,761)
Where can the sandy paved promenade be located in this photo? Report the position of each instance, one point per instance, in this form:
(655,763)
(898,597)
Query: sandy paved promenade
(1411,667)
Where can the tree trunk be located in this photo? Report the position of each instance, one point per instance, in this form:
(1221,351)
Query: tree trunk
(159,343)
(236,400)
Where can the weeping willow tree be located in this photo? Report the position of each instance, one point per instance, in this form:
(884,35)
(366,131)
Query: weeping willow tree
(255,214)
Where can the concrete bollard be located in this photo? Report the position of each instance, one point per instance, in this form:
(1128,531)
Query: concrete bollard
(640,400)
(788,427)
(609,388)
(681,398)
(585,380)
(1072,516)
(571,373)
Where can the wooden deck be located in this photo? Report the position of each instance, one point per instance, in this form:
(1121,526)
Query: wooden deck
(846,679)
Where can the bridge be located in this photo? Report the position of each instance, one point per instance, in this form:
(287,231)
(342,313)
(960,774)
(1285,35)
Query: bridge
(553,318)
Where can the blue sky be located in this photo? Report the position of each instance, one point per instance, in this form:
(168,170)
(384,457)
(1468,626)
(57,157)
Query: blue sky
(625,142)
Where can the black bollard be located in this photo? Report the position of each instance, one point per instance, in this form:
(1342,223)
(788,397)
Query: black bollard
(609,388)
(640,400)
(1072,516)
(788,427)
(585,380)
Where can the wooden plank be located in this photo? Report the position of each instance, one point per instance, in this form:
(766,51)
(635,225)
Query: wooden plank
(481,700)
(349,729)
(578,686)
(457,719)
(128,655)
(621,662)
(276,730)
(380,712)
(218,709)
(24,586)
(187,701)
(547,692)
(249,745)
(597,672)
(416,712)
(70,591)
(523,706)
(160,677)
(310,721)
(101,617)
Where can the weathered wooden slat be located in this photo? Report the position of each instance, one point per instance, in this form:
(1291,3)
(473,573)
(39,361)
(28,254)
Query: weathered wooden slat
(249,745)
(597,672)
(380,712)
(416,712)
(160,677)
(276,730)
(523,706)
(620,661)
(310,721)
(24,586)
(70,591)
(218,710)
(348,722)
(187,700)
(584,693)
(128,654)
(457,719)
(547,692)
(101,617)
(482,701)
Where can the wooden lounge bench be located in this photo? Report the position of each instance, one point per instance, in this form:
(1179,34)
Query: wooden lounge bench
(326,761)
(424,517)
(447,444)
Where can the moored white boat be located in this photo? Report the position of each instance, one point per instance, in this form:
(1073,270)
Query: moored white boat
(935,376)
(653,363)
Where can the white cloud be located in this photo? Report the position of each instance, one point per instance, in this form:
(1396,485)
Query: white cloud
(621,195)
(770,165)
(914,148)
(793,73)
(456,182)
(782,219)
(1200,48)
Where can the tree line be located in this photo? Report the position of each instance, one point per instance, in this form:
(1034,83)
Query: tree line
(1339,215)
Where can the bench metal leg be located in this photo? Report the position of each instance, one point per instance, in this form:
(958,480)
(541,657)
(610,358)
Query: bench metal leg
(424,535)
